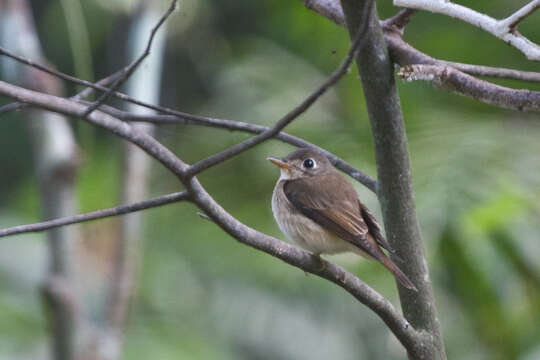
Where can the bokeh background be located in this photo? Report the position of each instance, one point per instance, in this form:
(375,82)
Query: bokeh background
(200,294)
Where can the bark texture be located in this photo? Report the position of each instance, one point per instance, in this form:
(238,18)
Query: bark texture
(394,178)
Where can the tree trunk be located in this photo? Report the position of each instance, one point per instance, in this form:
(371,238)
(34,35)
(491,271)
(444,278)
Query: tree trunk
(394,177)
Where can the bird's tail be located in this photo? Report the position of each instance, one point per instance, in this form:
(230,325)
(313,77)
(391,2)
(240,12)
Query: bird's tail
(398,274)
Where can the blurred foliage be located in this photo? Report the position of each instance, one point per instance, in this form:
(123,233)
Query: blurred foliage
(200,294)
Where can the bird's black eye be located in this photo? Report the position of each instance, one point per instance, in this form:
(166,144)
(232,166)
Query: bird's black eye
(309,163)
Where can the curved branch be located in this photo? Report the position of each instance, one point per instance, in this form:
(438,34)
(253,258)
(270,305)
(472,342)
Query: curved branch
(127,71)
(94,215)
(287,119)
(457,82)
(117,127)
(400,20)
(494,72)
(395,190)
(189,119)
(502,29)
(404,54)
(406,334)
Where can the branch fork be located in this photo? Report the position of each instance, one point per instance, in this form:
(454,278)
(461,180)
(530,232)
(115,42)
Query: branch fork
(504,29)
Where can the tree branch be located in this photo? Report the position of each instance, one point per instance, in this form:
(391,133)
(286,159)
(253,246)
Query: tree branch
(502,29)
(287,119)
(460,83)
(126,72)
(404,54)
(511,22)
(494,72)
(56,162)
(117,127)
(330,9)
(400,20)
(14,106)
(94,215)
(394,173)
(289,254)
(299,258)
(189,119)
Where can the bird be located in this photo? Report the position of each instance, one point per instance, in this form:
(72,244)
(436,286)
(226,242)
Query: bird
(319,210)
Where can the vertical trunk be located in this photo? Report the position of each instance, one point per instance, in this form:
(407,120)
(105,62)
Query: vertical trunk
(144,84)
(394,177)
(56,163)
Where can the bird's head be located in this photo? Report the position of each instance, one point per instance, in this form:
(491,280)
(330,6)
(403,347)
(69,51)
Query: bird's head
(302,163)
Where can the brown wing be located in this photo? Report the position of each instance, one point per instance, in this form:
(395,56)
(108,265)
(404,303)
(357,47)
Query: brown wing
(374,228)
(338,212)
(335,210)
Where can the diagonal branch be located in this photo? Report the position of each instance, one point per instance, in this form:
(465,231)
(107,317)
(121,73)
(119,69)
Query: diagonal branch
(189,119)
(126,72)
(457,82)
(407,335)
(98,118)
(94,215)
(411,339)
(81,95)
(404,54)
(400,20)
(494,72)
(513,20)
(396,195)
(502,29)
(293,114)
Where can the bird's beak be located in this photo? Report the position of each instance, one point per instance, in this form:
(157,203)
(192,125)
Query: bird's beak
(279,163)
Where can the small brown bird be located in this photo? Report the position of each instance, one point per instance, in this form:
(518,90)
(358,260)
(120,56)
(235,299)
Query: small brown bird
(319,210)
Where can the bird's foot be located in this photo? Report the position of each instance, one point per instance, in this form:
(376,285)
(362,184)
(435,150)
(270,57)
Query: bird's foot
(320,260)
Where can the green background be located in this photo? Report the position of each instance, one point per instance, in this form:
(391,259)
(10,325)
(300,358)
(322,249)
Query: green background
(202,295)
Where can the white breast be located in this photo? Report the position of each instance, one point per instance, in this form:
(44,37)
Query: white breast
(303,231)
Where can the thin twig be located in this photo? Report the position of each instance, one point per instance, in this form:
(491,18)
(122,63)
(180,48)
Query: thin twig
(117,127)
(189,119)
(94,215)
(273,131)
(244,234)
(400,20)
(81,95)
(513,20)
(502,29)
(126,72)
(455,81)
(494,72)
(12,107)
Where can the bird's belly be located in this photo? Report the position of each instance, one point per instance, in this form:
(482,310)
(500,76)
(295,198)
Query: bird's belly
(304,232)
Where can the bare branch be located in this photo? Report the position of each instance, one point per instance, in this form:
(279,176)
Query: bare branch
(56,162)
(103,82)
(117,127)
(457,82)
(12,107)
(330,9)
(189,119)
(94,215)
(299,258)
(395,189)
(289,254)
(502,29)
(400,20)
(511,22)
(127,71)
(404,54)
(494,72)
(83,94)
(293,114)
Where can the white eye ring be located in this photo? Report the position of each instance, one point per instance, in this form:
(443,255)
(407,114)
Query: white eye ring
(309,163)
